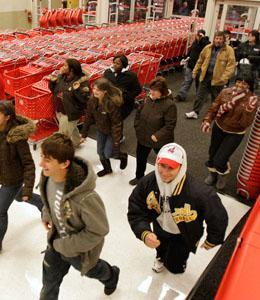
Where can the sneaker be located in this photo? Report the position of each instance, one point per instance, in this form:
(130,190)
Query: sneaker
(133,181)
(211,178)
(158,265)
(191,115)
(111,286)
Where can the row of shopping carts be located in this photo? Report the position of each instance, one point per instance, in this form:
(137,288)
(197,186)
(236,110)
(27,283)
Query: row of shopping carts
(248,177)
(61,17)
(170,40)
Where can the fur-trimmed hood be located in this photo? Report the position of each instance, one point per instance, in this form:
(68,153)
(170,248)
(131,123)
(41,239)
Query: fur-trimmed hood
(20,129)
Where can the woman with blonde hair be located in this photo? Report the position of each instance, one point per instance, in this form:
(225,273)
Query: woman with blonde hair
(104,110)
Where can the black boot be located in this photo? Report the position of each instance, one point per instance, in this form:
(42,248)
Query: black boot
(123,160)
(111,285)
(221,183)
(211,179)
(107,168)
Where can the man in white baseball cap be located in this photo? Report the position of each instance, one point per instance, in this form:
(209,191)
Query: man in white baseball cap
(176,205)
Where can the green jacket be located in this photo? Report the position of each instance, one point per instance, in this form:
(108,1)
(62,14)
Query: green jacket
(16,163)
(224,67)
(83,214)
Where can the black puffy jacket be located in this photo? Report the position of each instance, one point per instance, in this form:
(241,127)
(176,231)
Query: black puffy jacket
(68,100)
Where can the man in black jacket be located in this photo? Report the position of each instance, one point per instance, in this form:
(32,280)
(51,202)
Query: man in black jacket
(177,205)
(200,42)
(126,81)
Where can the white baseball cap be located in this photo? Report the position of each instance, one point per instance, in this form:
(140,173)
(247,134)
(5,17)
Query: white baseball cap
(170,155)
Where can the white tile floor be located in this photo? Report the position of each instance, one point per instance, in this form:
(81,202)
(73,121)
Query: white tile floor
(20,261)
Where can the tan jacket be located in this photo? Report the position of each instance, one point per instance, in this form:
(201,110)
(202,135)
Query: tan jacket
(237,119)
(224,67)
(83,214)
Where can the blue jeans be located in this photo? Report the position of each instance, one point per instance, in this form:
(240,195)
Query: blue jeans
(186,84)
(104,145)
(7,196)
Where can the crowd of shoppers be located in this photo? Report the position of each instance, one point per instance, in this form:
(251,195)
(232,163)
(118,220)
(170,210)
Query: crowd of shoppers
(168,198)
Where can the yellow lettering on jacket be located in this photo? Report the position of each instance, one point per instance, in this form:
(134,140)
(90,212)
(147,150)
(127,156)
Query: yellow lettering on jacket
(184,214)
(152,202)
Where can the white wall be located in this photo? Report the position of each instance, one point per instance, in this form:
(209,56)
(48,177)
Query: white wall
(14,5)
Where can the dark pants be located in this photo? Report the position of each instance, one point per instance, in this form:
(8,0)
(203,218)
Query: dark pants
(205,88)
(7,196)
(56,266)
(222,146)
(142,153)
(173,251)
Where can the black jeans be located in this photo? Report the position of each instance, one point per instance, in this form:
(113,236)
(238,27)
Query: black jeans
(142,153)
(173,251)
(7,196)
(222,146)
(56,266)
(205,88)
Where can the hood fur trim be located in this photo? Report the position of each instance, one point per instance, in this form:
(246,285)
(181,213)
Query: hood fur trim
(24,128)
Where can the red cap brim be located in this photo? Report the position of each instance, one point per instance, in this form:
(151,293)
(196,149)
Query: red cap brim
(166,161)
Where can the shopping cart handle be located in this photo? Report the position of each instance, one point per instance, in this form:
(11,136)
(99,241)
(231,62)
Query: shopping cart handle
(20,32)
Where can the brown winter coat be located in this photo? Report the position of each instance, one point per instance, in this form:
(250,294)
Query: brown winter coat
(109,123)
(83,214)
(156,117)
(237,119)
(16,163)
(224,67)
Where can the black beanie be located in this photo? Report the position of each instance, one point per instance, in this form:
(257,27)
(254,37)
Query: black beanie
(246,76)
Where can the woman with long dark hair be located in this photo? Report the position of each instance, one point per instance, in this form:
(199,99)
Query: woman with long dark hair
(17,169)
(103,109)
(71,92)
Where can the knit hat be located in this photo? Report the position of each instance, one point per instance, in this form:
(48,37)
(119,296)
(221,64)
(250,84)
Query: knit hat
(201,32)
(170,155)
(244,74)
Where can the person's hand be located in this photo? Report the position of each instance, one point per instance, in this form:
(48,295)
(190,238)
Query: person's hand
(62,70)
(252,103)
(151,240)
(194,76)
(25,198)
(154,139)
(205,127)
(47,225)
(82,140)
(207,246)
(76,85)
(53,78)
